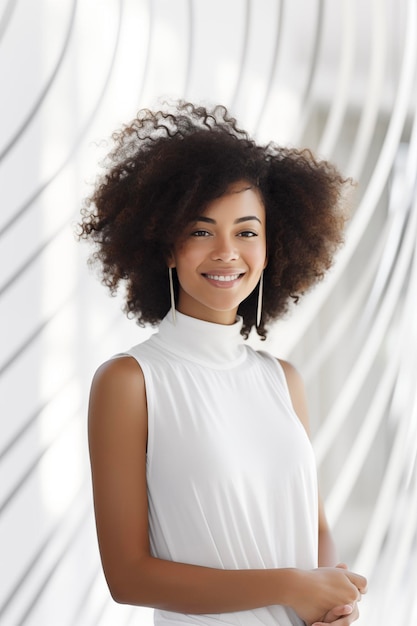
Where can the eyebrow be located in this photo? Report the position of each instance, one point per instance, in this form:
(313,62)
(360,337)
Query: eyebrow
(239,220)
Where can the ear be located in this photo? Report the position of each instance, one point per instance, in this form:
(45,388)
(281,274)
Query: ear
(266,262)
(171,261)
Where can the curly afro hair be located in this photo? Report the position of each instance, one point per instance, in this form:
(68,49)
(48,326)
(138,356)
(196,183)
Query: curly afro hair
(166,166)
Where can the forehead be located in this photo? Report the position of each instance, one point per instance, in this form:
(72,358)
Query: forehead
(240,198)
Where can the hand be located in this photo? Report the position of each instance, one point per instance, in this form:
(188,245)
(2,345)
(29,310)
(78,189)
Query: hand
(343,615)
(327,587)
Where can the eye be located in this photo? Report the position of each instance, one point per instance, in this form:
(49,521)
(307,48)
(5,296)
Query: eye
(247,233)
(200,233)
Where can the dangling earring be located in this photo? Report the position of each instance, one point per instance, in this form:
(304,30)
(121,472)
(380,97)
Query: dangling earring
(172,295)
(259,306)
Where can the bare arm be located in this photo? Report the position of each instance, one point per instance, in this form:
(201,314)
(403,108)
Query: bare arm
(327,554)
(117,438)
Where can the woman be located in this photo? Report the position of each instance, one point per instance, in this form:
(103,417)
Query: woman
(204,480)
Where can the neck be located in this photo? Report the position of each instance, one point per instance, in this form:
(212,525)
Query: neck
(205,342)
(200,312)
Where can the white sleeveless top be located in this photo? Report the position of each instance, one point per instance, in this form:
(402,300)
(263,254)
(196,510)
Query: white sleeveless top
(230,470)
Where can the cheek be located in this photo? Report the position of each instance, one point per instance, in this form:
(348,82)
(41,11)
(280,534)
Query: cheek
(187,261)
(258,255)
(187,257)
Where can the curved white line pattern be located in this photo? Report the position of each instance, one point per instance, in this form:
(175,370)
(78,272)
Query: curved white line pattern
(337,77)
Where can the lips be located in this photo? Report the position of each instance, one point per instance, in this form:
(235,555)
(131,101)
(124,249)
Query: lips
(223,277)
(224,281)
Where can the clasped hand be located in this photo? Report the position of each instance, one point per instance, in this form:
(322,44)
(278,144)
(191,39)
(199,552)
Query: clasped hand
(332,586)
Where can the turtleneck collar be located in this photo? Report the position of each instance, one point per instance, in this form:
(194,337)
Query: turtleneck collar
(213,345)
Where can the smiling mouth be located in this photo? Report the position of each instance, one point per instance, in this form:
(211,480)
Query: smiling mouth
(223,278)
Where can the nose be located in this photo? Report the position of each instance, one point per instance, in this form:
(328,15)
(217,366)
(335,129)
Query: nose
(224,250)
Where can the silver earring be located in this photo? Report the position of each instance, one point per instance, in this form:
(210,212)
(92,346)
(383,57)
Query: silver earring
(259,306)
(171,293)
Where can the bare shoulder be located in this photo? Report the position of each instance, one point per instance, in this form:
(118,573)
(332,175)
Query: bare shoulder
(117,437)
(294,380)
(291,373)
(118,393)
(297,392)
(117,377)
(121,370)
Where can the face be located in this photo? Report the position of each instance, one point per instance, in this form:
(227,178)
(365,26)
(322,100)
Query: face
(222,256)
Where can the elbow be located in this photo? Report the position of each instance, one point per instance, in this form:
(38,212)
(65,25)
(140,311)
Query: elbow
(127,586)
(118,592)
(122,593)
(118,589)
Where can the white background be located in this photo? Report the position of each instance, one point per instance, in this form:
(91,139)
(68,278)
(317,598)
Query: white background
(336,76)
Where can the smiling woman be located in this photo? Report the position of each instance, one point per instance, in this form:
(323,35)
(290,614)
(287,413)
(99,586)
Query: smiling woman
(167,166)
(225,249)
(205,487)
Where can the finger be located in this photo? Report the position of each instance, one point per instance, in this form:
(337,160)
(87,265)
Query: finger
(345,620)
(348,619)
(336,614)
(342,565)
(339,611)
(359,581)
(363,586)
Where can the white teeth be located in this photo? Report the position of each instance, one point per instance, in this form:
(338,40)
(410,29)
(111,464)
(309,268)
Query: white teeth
(228,278)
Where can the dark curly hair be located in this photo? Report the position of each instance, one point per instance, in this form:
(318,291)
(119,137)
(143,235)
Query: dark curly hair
(166,166)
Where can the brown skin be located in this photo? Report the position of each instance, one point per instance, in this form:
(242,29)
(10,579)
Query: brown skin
(347,613)
(163,171)
(118,439)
